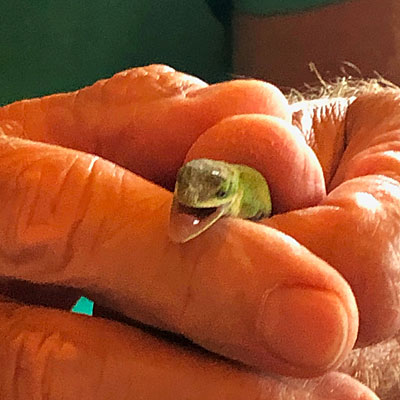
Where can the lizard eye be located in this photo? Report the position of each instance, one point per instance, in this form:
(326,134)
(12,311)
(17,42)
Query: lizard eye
(221,193)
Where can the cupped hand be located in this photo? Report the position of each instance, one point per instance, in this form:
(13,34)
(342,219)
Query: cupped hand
(284,298)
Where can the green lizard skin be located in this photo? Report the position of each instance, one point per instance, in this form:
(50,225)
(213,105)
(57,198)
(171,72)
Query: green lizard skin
(207,190)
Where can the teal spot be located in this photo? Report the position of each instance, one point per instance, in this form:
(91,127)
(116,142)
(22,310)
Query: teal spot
(83,306)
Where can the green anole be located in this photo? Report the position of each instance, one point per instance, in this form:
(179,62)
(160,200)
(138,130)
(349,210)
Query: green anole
(207,190)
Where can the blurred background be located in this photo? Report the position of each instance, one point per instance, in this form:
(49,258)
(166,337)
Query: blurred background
(49,46)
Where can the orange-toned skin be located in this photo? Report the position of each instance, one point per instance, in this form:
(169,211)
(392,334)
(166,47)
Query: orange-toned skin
(272,146)
(115,117)
(243,290)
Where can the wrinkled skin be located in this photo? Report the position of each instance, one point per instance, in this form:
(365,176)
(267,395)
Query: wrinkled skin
(289,296)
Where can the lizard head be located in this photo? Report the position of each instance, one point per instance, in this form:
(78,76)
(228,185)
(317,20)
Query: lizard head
(204,183)
(205,190)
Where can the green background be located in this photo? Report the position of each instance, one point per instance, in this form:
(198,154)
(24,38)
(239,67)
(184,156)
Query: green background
(49,46)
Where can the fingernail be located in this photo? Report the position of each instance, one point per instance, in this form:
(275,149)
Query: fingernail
(306,327)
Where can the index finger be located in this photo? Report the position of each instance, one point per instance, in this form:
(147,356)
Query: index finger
(144,119)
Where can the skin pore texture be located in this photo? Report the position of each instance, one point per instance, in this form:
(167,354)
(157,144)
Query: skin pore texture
(207,190)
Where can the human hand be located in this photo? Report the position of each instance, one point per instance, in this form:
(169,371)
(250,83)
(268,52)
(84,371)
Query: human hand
(86,225)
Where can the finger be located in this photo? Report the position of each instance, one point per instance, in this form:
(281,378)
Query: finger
(336,384)
(144,119)
(273,147)
(358,365)
(57,355)
(357,228)
(373,136)
(241,289)
(322,122)
(377,367)
(355,231)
